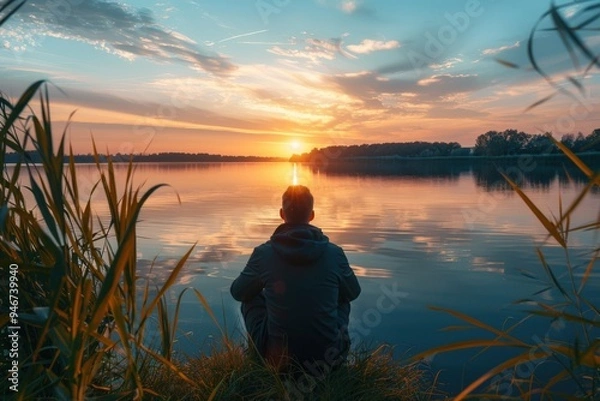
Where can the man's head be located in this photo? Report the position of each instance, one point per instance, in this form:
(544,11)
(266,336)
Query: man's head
(297,205)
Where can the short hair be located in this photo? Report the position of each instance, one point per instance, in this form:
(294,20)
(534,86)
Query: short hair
(297,204)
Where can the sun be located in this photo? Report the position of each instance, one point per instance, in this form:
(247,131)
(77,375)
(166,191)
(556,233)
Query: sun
(295,145)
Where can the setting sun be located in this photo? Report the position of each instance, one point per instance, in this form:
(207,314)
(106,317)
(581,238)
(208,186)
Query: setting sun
(295,145)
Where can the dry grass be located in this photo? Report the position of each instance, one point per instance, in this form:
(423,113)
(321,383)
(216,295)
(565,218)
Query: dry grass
(230,375)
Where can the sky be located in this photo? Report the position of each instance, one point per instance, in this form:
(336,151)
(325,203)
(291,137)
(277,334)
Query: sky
(276,77)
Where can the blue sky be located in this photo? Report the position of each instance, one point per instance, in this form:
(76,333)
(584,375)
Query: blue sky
(272,77)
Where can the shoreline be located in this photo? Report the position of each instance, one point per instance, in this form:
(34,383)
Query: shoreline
(325,160)
(560,156)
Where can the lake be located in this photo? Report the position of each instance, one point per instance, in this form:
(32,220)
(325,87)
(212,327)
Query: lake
(448,235)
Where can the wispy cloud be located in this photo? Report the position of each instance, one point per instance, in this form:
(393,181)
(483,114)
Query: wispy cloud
(355,7)
(314,50)
(113,27)
(349,6)
(447,64)
(369,45)
(497,50)
(242,35)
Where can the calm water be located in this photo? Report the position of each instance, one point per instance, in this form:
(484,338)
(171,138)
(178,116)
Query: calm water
(458,239)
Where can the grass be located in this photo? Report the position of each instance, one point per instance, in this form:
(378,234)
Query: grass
(78,303)
(231,375)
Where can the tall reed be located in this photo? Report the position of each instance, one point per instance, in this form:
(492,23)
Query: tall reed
(83,322)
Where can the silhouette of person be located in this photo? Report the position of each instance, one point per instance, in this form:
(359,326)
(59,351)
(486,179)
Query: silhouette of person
(296,290)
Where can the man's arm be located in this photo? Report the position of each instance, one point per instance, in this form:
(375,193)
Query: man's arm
(349,287)
(249,283)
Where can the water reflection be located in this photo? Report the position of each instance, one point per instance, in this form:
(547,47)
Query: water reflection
(530,173)
(527,171)
(435,168)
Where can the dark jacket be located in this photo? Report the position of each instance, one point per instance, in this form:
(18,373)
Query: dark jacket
(308,285)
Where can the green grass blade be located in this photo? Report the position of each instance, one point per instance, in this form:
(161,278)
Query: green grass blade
(551,228)
(208,309)
(588,272)
(11,12)
(507,63)
(44,210)
(539,102)
(20,106)
(121,259)
(174,368)
(571,34)
(550,274)
(168,283)
(479,324)
(215,391)
(563,30)
(566,316)
(467,344)
(176,316)
(508,364)
(573,157)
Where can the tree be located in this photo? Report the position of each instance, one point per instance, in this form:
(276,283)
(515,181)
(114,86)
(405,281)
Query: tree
(539,144)
(492,143)
(515,141)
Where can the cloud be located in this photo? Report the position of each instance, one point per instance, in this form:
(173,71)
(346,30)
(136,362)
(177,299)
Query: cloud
(314,50)
(349,6)
(369,45)
(118,29)
(455,113)
(494,51)
(447,64)
(355,7)
(369,86)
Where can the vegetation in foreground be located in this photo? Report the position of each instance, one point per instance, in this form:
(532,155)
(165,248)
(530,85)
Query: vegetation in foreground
(231,375)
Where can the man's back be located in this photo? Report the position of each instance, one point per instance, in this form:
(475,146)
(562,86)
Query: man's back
(307,285)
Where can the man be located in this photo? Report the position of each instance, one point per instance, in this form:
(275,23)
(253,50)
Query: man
(296,290)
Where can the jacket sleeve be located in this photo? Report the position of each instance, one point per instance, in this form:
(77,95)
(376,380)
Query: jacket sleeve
(349,287)
(249,283)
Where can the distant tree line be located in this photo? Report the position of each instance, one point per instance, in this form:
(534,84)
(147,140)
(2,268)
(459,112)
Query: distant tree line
(383,150)
(167,157)
(513,142)
(492,143)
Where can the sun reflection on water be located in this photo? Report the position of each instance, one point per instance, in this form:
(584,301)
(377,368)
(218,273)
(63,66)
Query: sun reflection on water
(295,175)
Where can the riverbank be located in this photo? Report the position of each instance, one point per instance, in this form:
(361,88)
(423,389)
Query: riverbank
(230,375)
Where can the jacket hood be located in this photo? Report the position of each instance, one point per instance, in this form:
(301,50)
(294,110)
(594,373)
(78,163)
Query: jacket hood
(299,243)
